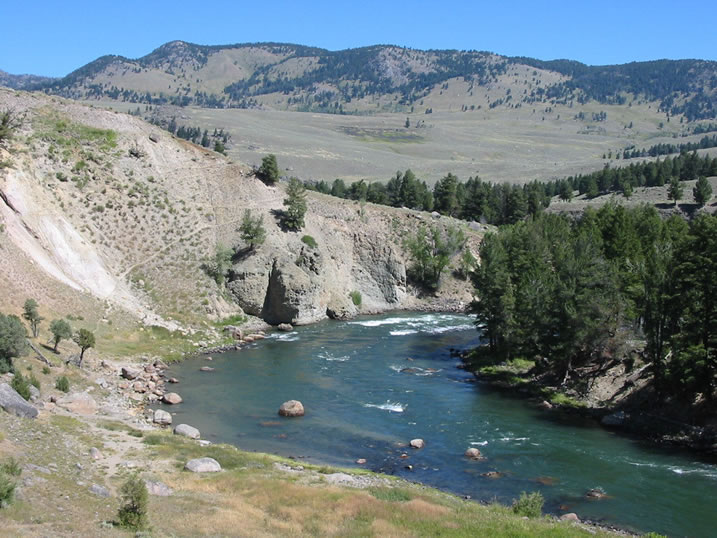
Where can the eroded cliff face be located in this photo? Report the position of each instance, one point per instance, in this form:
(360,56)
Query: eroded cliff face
(105,205)
(299,284)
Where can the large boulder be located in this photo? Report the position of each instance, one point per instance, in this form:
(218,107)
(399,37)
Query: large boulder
(172,398)
(159,489)
(285,327)
(417,443)
(293,294)
(129,373)
(79,402)
(203,465)
(249,282)
(614,419)
(161,417)
(292,408)
(13,403)
(186,430)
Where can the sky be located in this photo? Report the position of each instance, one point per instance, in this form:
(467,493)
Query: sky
(53,38)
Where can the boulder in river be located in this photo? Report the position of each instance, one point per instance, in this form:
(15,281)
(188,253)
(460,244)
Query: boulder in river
(203,465)
(474,454)
(172,398)
(285,327)
(596,493)
(417,443)
(292,408)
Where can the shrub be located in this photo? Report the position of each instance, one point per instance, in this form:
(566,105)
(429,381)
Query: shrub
(529,504)
(45,370)
(7,490)
(310,241)
(35,382)
(356,297)
(21,385)
(133,512)
(11,467)
(62,384)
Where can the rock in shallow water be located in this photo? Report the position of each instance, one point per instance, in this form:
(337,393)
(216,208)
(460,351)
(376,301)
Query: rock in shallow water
(292,408)
(417,443)
(172,398)
(474,454)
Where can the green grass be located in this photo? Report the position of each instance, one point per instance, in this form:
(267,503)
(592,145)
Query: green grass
(153,340)
(558,398)
(391,494)
(54,128)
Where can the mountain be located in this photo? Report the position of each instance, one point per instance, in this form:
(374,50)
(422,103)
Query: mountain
(20,82)
(381,78)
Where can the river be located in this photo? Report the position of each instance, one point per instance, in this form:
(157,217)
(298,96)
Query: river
(371,385)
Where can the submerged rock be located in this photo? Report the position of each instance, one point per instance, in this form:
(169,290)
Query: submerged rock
(614,419)
(203,465)
(292,408)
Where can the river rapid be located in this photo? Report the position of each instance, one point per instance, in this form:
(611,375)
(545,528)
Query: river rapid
(371,385)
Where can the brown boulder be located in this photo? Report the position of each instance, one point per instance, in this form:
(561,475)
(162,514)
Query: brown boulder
(292,408)
(172,398)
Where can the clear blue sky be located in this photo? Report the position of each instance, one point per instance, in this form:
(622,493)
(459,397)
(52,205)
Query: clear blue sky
(55,37)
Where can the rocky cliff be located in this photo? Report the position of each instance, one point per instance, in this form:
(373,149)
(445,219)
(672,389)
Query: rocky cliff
(104,211)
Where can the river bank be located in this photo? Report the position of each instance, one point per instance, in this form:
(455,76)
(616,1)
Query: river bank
(76,457)
(620,397)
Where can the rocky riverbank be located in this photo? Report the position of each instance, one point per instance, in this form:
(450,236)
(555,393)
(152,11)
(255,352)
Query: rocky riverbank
(620,397)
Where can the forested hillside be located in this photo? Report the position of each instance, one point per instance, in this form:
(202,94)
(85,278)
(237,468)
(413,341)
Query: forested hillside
(573,293)
(307,78)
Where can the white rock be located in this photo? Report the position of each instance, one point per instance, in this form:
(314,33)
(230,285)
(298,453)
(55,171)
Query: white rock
(203,465)
(187,431)
(161,417)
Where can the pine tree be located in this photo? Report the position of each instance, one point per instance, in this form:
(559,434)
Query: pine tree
(675,190)
(269,170)
(295,202)
(252,230)
(702,191)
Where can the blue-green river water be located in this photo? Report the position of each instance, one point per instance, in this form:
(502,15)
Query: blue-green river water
(361,402)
